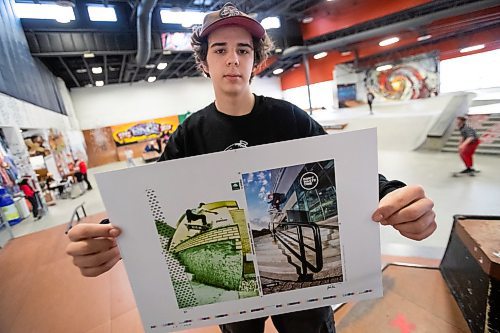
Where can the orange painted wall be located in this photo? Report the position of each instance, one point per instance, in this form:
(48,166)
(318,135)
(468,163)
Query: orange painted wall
(332,16)
(322,70)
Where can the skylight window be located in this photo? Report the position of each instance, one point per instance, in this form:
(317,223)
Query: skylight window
(187,19)
(102,14)
(44,12)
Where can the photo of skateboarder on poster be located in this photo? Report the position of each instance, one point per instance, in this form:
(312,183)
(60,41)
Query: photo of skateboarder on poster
(294,220)
(207,252)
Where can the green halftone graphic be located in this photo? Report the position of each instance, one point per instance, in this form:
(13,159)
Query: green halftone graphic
(216,264)
(164,229)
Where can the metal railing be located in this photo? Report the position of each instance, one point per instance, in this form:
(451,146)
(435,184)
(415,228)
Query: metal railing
(317,249)
(76,215)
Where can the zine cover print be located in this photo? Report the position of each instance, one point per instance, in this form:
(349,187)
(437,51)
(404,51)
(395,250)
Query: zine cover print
(184,276)
(294,220)
(206,252)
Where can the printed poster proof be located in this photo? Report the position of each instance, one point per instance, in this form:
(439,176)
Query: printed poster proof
(251,232)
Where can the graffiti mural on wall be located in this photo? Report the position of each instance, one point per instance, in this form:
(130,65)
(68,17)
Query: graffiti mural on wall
(143,130)
(415,77)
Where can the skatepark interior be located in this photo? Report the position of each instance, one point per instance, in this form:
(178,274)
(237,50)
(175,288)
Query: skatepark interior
(432,169)
(41,290)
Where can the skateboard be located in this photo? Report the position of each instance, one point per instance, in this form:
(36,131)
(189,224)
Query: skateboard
(198,227)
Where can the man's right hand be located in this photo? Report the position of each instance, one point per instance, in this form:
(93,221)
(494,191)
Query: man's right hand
(93,247)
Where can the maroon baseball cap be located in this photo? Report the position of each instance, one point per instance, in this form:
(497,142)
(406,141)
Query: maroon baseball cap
(230,15)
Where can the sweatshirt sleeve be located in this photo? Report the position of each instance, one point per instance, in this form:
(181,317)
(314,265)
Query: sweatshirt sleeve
(175,146)
(385,186)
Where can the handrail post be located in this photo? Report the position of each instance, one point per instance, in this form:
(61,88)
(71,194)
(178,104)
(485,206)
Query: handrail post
(302,251)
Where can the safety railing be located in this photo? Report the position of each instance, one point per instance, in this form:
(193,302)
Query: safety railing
(286,240)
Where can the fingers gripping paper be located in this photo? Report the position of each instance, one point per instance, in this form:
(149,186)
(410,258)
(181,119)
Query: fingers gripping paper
(252,232)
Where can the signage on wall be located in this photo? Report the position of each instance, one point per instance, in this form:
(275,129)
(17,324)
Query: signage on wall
(143,130)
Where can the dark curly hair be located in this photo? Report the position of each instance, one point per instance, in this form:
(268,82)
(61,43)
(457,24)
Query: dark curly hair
(262,48)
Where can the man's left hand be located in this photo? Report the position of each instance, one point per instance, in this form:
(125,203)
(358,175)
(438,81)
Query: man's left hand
(409,211)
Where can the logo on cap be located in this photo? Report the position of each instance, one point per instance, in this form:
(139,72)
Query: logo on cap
(229,10)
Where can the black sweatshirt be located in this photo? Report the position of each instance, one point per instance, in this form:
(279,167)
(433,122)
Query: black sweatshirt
(271,120)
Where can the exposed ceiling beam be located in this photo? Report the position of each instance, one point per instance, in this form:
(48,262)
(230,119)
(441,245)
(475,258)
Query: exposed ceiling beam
(216,4)
(384,30)
(105,70)
(88,70)
(122,68)
(69,71)
(168,67)
(178,69)
(79,53)
(188,4)
(187,71)
(135,74)
(157,61)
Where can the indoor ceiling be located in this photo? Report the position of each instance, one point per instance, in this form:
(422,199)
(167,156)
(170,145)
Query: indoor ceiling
(61,46)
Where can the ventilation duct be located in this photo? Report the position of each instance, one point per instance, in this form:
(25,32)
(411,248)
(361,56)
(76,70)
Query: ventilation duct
(144,11)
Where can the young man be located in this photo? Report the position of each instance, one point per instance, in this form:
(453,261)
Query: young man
(467,145)
(228,48)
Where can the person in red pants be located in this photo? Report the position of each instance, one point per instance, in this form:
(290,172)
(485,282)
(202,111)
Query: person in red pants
(29,193)
(467,145)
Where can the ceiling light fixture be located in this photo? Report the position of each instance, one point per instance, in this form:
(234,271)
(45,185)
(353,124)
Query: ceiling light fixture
(472,48)
(97,70)
(44,11)
(151,79)
(149,66)
(186,19)
(161,66)
(278,71)
(320,55)
(272,22)
(99,83)
(278,50)
(424,37)
(383,68)
(101,13)
(389,41)
(88,55)
(81,70)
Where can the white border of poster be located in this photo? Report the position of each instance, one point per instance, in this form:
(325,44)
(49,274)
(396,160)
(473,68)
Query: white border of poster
(187,182)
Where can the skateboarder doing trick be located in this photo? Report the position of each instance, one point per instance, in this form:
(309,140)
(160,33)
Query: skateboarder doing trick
(196,214)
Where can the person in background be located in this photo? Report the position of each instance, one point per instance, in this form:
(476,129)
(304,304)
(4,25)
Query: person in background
(370,97)
(228,48)
(151,147)
(129,156)
(81,167)
(467,145)
(53,184)
(29,193)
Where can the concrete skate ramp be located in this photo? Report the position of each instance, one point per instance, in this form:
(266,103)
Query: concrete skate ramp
(400,125)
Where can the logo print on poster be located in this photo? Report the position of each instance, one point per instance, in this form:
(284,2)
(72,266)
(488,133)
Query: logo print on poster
(309,181)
